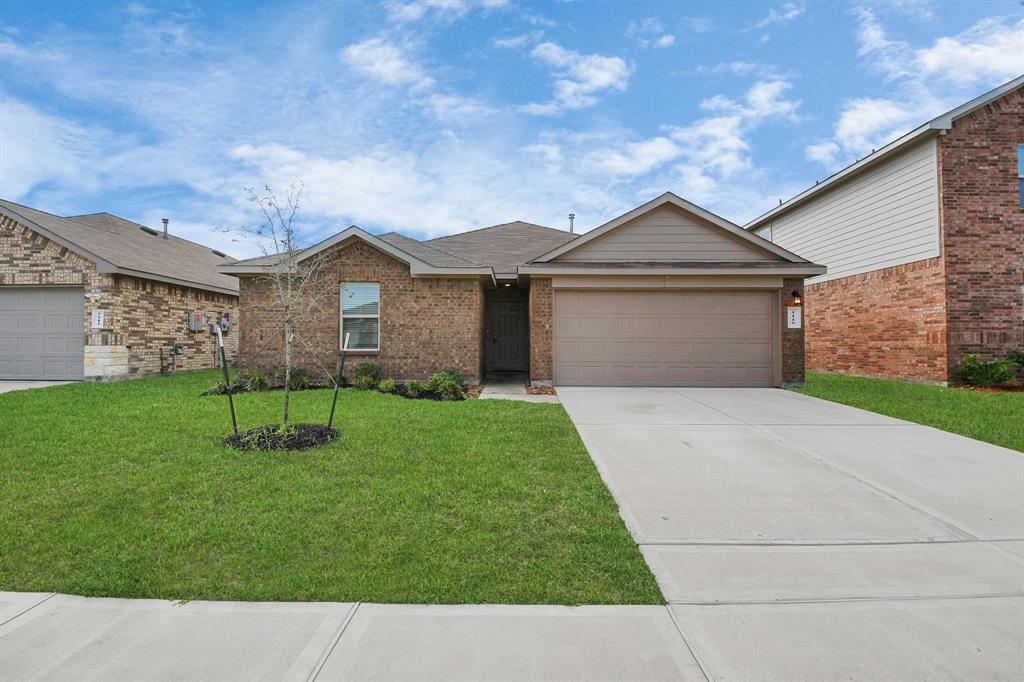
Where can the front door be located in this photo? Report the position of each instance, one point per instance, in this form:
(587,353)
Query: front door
(507,342)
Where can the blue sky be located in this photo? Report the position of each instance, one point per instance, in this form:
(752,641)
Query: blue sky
(435,116)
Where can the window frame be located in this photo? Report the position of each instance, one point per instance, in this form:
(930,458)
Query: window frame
(342,316)
(1020,173)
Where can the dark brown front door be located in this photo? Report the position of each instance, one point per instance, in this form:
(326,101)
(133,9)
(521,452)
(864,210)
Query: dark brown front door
(508,342)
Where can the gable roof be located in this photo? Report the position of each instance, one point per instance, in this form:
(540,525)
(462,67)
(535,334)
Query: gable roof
(670,199)
(933,127)
(504,247)
(120,246)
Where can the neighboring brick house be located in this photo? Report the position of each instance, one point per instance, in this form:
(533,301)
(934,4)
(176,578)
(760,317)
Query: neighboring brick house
(924,244)
(665,295)
(101,297)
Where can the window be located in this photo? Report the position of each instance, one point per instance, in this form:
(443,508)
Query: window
(1020,173)
(360,315)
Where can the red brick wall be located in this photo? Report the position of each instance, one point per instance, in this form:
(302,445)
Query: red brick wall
(426,324)
(541,310)
(793,349)
(889,323)
(983,231)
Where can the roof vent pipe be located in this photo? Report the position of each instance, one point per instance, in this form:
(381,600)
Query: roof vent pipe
(572,217)
(166,220)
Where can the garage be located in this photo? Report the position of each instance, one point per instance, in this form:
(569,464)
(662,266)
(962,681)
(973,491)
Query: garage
(41,333)
(665,338)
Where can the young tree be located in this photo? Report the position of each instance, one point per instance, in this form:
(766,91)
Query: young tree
(297,284)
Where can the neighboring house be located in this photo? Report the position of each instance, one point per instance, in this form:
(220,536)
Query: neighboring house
(924,244)
(665,295)
(100,297)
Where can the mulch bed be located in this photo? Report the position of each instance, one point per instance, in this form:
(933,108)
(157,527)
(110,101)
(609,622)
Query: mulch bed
(540,390)
(272,437)
(1012,388)
(474,391)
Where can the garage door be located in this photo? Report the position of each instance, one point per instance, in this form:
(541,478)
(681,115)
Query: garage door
(41,335)
(663,338)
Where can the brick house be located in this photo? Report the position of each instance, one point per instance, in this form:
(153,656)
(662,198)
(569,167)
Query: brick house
(100,297)
(924,244)
(666,294)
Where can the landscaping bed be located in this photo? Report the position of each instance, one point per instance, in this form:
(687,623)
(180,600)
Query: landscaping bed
(125,490)
(993,416)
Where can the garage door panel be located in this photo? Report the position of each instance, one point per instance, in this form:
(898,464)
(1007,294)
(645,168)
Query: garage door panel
(41,333)
(663,338)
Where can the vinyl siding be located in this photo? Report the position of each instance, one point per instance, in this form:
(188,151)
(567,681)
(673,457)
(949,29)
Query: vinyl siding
(887,216)
(665,234)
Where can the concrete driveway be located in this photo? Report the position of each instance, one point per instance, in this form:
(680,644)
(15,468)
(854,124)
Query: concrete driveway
(800,539)
(8,386)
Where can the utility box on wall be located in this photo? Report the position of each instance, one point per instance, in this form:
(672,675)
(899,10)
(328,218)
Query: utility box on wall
(196,321)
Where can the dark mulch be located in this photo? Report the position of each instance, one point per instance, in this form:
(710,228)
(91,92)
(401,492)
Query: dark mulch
(1009,388)
(273,437)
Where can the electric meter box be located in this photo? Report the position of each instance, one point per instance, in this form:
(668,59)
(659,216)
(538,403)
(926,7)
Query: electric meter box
(196,321)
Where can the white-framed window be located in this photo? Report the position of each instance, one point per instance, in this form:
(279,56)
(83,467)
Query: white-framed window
(360,315)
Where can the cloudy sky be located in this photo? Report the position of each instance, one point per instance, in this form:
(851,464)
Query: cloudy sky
(435,116)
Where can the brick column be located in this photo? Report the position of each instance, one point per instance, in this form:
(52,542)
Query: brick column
(792,339)
(541,299)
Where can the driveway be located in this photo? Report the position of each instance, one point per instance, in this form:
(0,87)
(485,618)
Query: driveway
(8,386)
(800,539)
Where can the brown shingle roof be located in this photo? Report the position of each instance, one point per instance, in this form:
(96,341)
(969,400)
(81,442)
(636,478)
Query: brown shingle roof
(125,245)
(504,247)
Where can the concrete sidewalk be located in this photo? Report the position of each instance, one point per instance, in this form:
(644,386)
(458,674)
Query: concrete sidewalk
(58,637)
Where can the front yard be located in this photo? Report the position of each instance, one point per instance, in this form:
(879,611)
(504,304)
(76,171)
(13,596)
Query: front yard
(124,490)
(996,418)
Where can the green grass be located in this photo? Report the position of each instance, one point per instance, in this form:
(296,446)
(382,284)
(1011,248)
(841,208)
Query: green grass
(124,490)
(991,417)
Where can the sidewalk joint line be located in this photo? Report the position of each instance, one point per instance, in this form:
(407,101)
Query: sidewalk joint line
(693,652)
(334,642)
(29,608)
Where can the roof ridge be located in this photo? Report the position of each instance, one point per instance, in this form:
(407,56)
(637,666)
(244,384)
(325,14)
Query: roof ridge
(491,227)
(434,248)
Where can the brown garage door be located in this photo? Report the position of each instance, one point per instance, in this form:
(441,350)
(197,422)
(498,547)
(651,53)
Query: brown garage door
(41,333)
(663,338)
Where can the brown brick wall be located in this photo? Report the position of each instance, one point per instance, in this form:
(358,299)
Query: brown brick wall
(426,324)
(889,323)
(144,317)
(793,354)
(983,231)
(541,310)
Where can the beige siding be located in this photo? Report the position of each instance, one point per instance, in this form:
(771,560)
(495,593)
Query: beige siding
(887,216)
(665,234)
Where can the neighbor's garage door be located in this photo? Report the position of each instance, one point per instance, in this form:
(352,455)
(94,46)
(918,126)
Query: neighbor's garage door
(663,338)
(41,334)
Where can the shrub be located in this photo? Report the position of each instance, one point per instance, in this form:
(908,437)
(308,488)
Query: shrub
(365,382)
(257,382)
(387,386)
(368,369)
(1017,358)
(414,388)
(978,373)
(338,379)
(300,378)
(448,385)
(454,375)
(219,388)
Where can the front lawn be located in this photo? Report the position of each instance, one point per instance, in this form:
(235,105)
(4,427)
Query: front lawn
(992,417)
(124,490)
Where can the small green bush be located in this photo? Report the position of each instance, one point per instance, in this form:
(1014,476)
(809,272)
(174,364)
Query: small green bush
(368,369)
(1017,358)
(454,375)
(219,388)
(338,379)
(978,373)
(448,385)
(300,378)
(365,382)
(414,388)
(257,381)
(387,386)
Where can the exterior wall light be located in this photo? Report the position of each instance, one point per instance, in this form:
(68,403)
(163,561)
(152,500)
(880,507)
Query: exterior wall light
(796,297)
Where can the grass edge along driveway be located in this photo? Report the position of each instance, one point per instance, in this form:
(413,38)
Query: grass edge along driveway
(123,490)
(996,418)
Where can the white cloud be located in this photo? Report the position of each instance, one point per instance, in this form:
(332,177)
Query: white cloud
(649,32)
(990,50)
(740,68)
(446,10)
(579,78)
(637,158)
(378,59)
(697,24)
(518,40)
(551,153)
(764,99)
(783,14)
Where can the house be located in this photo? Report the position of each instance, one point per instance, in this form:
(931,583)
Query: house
(666,295)
(100,297)
(924,244)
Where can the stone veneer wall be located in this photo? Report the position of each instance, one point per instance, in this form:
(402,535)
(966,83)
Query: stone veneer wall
(885,323)
(144,317)
(426,324)
(541,334)
(983,232)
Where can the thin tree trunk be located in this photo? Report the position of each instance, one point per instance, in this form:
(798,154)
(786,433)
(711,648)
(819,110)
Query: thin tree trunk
(287,366)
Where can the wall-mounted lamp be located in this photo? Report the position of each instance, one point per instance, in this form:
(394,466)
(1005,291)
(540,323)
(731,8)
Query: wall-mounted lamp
(796,297)
(507,284)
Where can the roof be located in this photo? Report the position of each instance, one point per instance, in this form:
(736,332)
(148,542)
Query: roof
(121,246)
(668,198)
(932,127)
(506,246)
